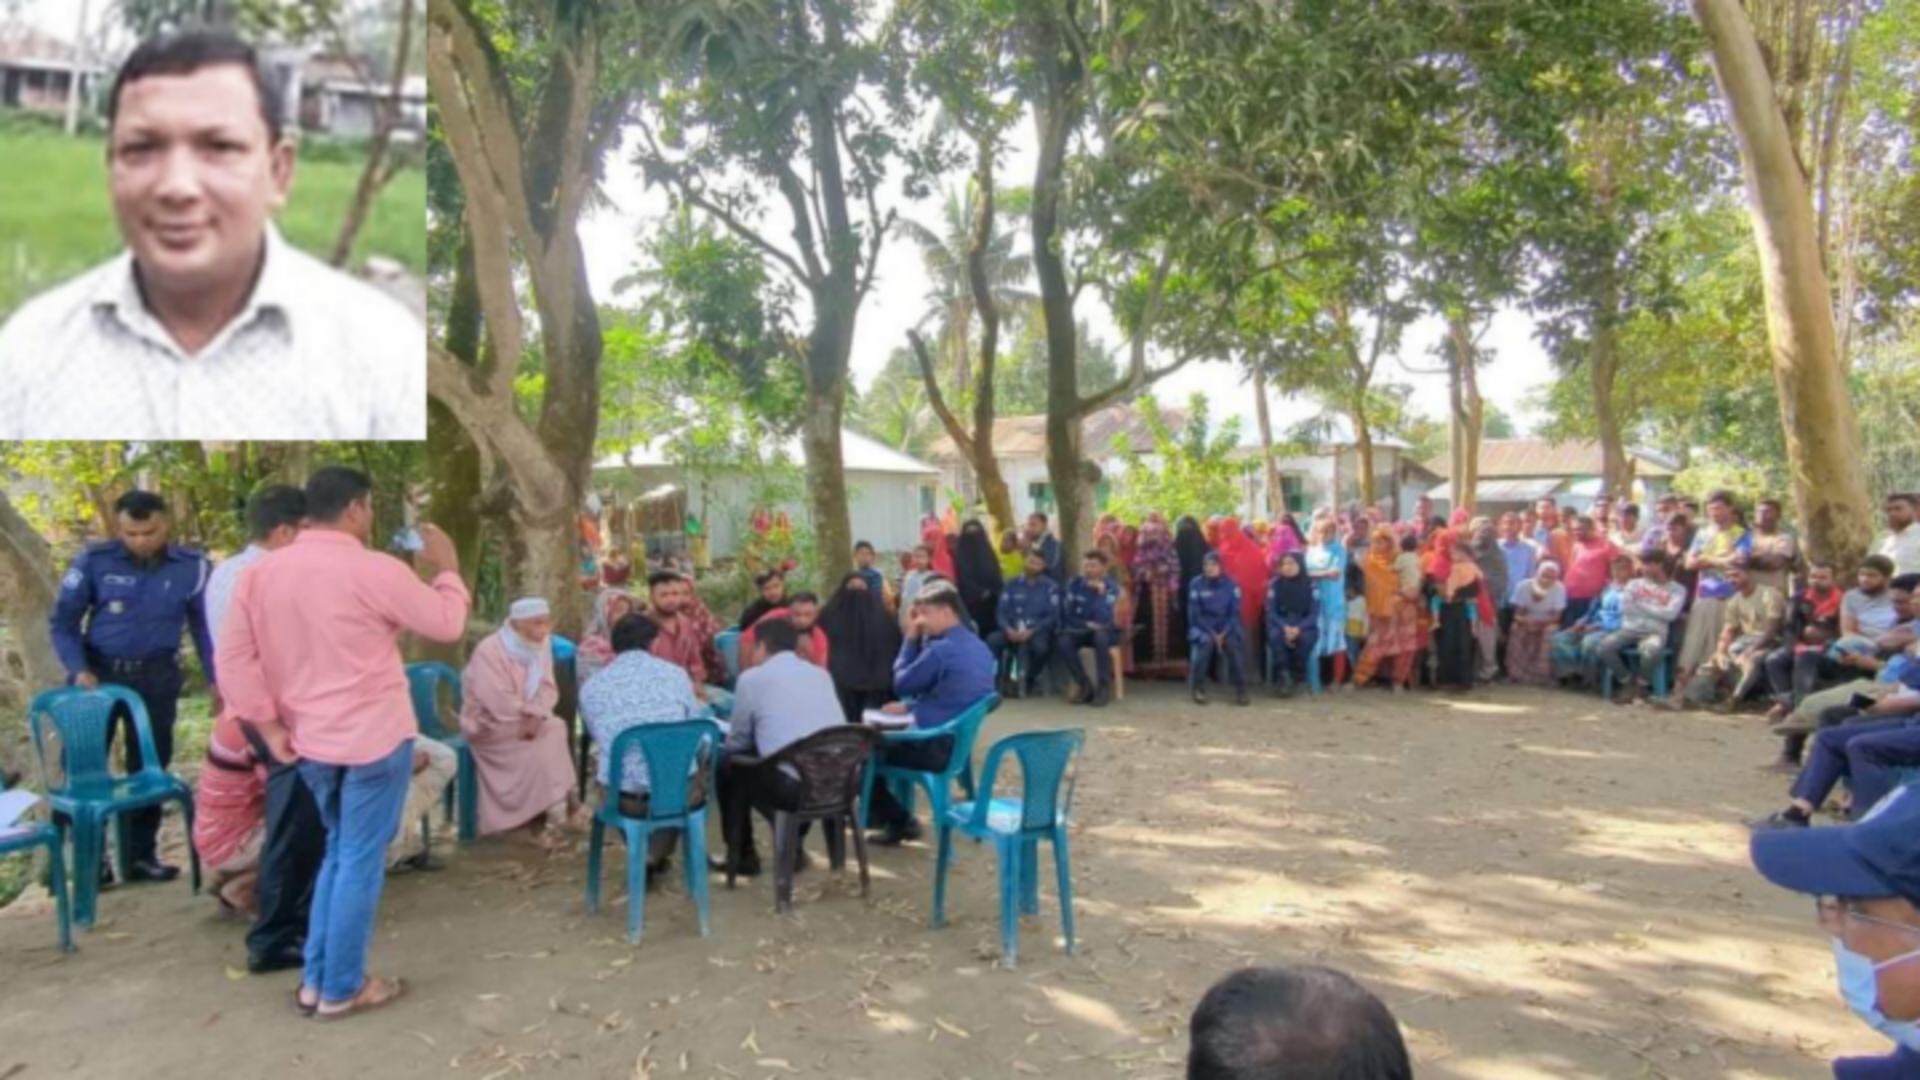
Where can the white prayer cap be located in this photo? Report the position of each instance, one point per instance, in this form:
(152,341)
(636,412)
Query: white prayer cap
(529,607)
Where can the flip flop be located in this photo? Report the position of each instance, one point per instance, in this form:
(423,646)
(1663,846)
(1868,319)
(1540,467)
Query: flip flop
(360,1004)
(302,1007)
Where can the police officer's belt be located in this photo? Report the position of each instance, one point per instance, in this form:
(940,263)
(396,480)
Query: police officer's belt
(157,662)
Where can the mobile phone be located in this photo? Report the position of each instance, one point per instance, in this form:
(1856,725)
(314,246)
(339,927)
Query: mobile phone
(409,540)
(1861,701)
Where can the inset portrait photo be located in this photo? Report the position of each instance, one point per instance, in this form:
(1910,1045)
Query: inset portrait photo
(212,231)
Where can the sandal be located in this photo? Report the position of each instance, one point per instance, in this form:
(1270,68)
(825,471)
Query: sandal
(300,1004)
(374,994)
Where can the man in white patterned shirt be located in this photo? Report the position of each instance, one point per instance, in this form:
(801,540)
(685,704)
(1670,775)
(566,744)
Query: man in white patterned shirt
(209,326)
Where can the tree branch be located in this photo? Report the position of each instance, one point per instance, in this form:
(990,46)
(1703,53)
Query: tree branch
(937,400)
(676,177)
(495,426)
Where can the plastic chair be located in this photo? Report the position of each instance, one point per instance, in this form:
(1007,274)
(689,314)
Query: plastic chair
(423,683)
(964,730)
(728,643)
(34,834)
(1659,679)
(831,763)
(1016,827)
(90,793)
(670,751)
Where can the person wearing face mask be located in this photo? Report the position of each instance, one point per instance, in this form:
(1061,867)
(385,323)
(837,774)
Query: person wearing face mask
(1865,880)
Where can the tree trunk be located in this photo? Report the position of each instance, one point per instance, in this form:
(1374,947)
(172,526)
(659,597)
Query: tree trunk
(1276,498)
(375,174)
(453,462)
(1603,367)
(26,599)
(1469,414)
(1363,445)
(1816,407)
(827,481)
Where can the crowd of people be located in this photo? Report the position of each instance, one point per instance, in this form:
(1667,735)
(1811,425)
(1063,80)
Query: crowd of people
(316,765)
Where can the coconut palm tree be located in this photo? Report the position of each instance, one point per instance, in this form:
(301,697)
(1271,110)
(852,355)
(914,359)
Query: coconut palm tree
(950,308)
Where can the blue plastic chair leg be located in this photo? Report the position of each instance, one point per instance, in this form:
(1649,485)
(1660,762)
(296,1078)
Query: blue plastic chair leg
(696,844)
(1009,900)
(122,846)
(637,846)
(193,853)
(1313,676)
(86,829)
(866,793)
(1030,877)
(1660,676)
(57,883)
(469,784)
(943,860)
(1063,868)
(596,838)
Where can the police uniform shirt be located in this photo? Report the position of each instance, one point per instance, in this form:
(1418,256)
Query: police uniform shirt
(314,354)
(1035,603)
(1086,610)
(1215,603)
(131,611)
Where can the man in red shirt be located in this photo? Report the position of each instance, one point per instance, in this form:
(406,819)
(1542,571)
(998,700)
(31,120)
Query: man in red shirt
(679,641)
(1589,557)
(803,610)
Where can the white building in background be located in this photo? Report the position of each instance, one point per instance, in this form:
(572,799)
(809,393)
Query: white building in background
(1020,446)
(1330,475)
(887,493)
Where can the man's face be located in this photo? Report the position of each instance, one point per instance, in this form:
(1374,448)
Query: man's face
(1899,514)
(1890,929)
(535,629)
(863,558)
(1737,577)
(938,618)
(1036,528)
(804,615)
(1766,516)
(1872,581)
(1903,605)
(195,176)
(1093,570)
(1629,519)
(1721,514)
(1211,568)
(1509,526)
(774,591)
(1655,572)
(1602,506)
(1666,508)
(1583,529)
(1036,564)
(920,559)
(144,539)
(1622,571)
(1820,578)
(1544,509)
(666,598)
(1423,508)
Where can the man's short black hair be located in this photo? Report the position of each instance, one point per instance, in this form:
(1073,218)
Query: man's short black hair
(1909,497)
(946,598)
(662,577)
(1304,1023)
(183,52)
(1098,555)
(777,636)
(1037,516)
(1657,558)
(862,545)
(1906,583)
(332,489)
(760,580)
(1722,496)
(1769,501)
(140,505)
(803,598)
(633,633)
(1879,563)
(274,506)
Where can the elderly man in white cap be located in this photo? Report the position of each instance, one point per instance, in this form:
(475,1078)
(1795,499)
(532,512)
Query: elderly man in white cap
(519,745)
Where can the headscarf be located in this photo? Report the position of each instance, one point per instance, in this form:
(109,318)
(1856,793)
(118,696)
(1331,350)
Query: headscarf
(1438,561)
(1215,525)
(935,537)
(535,656)
(1286,540)
(863,640)
(1462,572)
(978,565)
(1130,546)
(1246,566)
(1108,525)
(1191,545)
(596,645)
(1383,581)
(1156,555)
(1492,563)
(1293,595)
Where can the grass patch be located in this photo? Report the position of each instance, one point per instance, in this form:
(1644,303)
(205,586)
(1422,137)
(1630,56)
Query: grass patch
(56,219)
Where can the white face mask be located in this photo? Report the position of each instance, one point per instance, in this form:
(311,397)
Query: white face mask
(1860,986)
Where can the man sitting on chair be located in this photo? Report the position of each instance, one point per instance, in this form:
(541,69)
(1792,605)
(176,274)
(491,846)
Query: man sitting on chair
(1087,621)
(638,688)
(944,669)
(780,700)
(1029,617)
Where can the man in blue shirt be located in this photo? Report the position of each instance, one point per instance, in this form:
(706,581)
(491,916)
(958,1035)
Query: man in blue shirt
(863,559)
(944,669)
(1087,622)
(1040,539)
(1865,879)
(1213,626)
(118,619)
(1029,617)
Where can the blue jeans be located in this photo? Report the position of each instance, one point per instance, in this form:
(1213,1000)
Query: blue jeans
(360,807)
(1866,754)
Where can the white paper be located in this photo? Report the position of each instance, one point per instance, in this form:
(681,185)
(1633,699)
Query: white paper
(14,805)
(880,719)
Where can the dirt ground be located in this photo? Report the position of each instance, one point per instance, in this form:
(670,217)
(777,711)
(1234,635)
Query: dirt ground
(1538,884)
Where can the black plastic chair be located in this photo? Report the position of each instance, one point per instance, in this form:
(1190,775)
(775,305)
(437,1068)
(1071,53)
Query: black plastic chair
(831,763)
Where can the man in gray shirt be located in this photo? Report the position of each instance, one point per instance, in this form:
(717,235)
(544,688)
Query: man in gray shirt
(779,700)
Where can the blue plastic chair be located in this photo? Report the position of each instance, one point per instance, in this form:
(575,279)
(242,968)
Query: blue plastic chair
(670,751)
(32,835)
(90,793)
(423,683)
(1659,679)
(728,644)
(963,729)
(1016,827)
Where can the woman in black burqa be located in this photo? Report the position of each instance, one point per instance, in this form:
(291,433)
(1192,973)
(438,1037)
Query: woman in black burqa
(981,582)
(1191,544)
(863,642)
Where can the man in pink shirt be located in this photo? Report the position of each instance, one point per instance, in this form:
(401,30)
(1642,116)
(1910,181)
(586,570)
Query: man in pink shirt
(316,667)
(1589,557)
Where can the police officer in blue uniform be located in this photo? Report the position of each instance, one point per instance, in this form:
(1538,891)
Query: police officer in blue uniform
(1087,621)
(118,619)
(1213,625)
(1029,617)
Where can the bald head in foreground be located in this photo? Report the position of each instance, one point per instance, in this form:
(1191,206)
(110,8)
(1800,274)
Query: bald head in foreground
(1300,1023)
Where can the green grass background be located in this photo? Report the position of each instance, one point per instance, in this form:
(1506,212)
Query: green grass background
(56,219)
